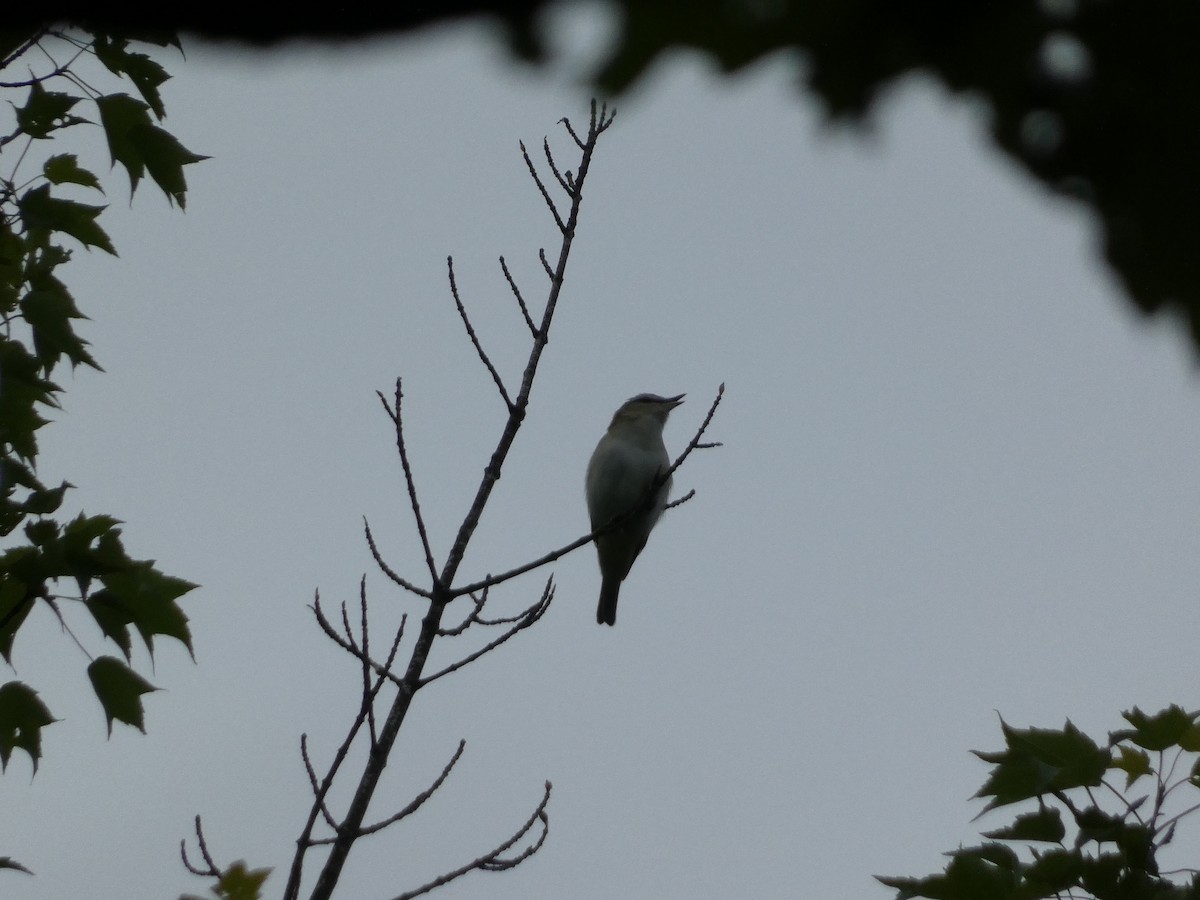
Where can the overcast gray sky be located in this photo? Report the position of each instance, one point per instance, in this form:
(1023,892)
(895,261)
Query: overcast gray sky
(958,478)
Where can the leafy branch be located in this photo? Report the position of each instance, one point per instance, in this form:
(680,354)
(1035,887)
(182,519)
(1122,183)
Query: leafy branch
(1118,833)
(119,594)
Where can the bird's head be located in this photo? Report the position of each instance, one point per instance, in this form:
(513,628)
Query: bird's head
(646,408)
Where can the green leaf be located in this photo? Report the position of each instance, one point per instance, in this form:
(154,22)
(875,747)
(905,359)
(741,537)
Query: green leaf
(45,112)
(144,72)
(1038,761)
(119,690)
(165,158)
(1134,763)
(49,314)
(92,548)
(44,214)
(139,145)
(238,882)
(1168,728)
(24,389)
(1044,825)
(42,532)
(64,169)
(7,862)
(22,717)
(12,266)
(113,618)
(119,115)
(1096,825)
(16,600)
(39,501)
(147,597)
(1053,873)
(970,875)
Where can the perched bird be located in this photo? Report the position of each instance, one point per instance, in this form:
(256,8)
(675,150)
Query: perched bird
(624,465)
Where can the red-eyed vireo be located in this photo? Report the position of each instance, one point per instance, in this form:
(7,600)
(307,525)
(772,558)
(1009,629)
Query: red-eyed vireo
(624,465)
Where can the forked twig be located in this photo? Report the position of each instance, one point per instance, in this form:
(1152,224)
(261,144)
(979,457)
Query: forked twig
(520,300)
(348,644)
(523,621)
(694,443)
(537,179)
(315,784)
(472,616)
(397,418)
(211,871)
(462,312)
(493,862)
(387,570)
(418,800)
(568,188)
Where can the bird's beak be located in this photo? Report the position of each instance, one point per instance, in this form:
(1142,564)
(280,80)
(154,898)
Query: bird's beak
(676,400)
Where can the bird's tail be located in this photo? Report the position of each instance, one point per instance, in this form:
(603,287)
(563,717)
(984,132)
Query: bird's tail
(606,612)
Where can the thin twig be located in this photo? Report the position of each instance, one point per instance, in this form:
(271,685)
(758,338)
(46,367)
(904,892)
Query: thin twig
(387,570)
(541,187)
(65,627)
(418,800)
(492,862)
(398,419)
(350,647)
(527,618)
(462,312)
(472,616)
(566,123)
(318,796)
(367,694)
(37,36)
(553,168)
(212,871)
(694,443)
(550,273)
(1169,823)
(520,300)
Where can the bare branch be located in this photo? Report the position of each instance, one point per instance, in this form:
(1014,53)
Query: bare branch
(471,618)
(493,580)
(523,621)
(23,48)
(520,300)
(694,443)
(502,620)
(682,500)
(350,647)
(566,123)
(211,871)
(418,800)
(462,312)
(546,264)
(541,187)
(398,419)
(368,695)
(493,862)
(318,794)
(568,187)
(440,595)
(396,579)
